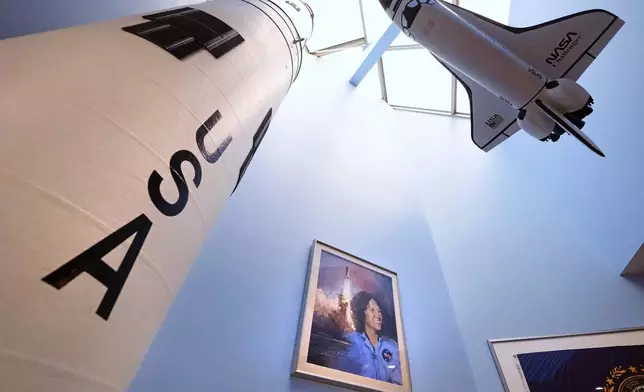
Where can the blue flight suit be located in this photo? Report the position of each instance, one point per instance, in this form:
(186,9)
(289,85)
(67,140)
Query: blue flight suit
(381,362)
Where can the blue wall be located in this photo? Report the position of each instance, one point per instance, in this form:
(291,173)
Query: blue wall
(532,237)
(608,194)
(329,168)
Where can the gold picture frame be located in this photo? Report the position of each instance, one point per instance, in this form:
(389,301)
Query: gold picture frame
(351,330)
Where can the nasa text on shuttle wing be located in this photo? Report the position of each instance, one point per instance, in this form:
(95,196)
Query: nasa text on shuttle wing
(516,78)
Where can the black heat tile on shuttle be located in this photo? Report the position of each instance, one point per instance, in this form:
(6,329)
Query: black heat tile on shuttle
(185,31)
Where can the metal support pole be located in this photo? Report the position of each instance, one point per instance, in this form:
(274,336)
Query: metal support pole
(376,53)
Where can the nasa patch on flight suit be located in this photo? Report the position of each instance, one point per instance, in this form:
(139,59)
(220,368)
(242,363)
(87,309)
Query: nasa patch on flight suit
(387,355)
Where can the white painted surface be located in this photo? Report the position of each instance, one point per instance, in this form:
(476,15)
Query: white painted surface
(88,113)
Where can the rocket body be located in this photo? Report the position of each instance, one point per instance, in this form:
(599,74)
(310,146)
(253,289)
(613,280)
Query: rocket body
(122,141)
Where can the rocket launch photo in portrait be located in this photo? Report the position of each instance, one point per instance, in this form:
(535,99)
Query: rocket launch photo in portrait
(352,327)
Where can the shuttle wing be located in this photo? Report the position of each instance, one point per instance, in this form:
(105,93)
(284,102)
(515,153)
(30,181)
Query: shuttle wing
(563,47)
(493,120)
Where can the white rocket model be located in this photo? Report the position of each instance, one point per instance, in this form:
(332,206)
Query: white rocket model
(516,78)
(120,143)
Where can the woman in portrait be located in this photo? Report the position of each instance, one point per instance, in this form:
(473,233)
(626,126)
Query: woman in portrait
(370,354)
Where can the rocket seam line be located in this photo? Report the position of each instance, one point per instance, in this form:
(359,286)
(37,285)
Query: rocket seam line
(293,75)
(216,86)
(534,96)
(499,134)
(281,32)
(221,92)
(194,116)
(277,11)
(471,97)
(10,353)
(147,146)
(396,7)
(513,121)
(232,177)
(295,34)
(148,260)
(122,128)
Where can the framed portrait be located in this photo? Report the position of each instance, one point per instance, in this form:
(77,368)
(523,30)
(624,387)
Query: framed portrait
(351,330)
(611,361)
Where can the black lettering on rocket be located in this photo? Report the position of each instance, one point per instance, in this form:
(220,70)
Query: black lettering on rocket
(181,32)
(91,260)
(204,129)
(185,31)
(154,183)
(257,140)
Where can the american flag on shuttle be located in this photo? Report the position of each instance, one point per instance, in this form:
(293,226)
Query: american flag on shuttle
(494,121)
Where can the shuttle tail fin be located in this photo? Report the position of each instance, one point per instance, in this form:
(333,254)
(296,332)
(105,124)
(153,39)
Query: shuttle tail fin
(560,48)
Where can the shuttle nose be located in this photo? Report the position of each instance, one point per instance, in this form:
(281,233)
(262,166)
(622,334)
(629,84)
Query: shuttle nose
(410,13)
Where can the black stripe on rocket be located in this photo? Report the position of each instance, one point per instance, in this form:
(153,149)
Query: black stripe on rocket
(257,140)
(184,31)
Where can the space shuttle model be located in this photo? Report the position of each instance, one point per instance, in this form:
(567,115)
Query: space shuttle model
(516,78)
(120,143)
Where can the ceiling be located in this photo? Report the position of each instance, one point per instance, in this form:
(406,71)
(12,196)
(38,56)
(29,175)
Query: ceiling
(431,88)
